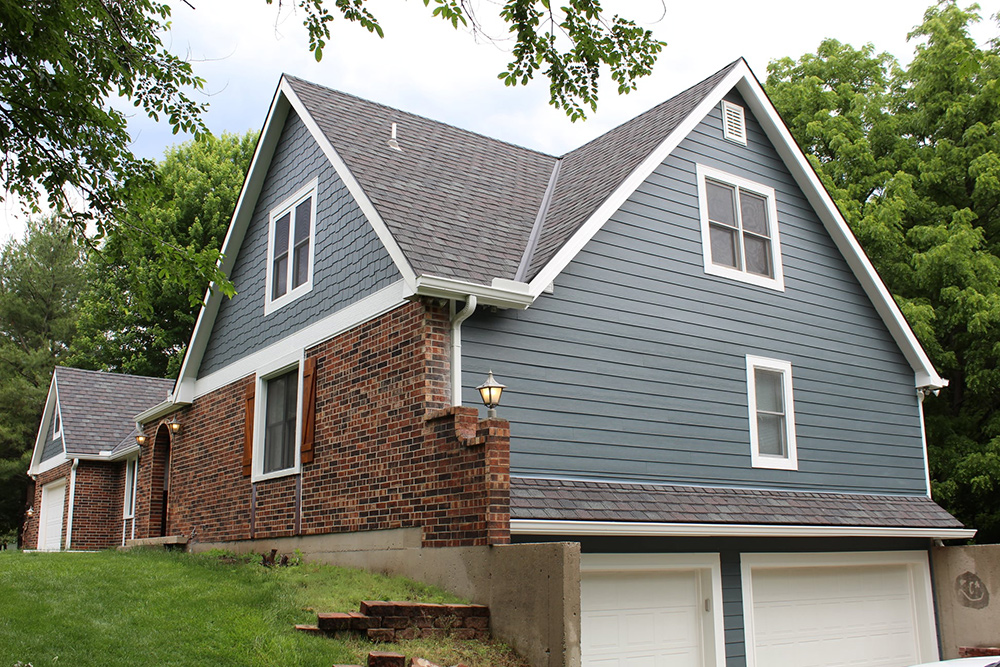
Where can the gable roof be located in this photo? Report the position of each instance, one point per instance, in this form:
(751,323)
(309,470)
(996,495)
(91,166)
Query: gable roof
(98,408)
(462,214)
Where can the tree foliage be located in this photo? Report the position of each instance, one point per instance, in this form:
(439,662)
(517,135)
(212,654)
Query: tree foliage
(40,281)
(135,315)
(912,158)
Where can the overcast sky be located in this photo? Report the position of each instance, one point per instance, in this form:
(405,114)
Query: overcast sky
(241,47)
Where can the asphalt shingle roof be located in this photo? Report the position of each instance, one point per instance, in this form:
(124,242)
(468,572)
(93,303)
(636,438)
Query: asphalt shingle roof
(461,205)
(99,409)
(612,501)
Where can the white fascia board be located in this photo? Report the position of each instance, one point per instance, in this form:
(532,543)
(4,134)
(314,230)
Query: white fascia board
(642,529)
(617,198)
(372,306)
(242,214)
(502,293)
(353,186)
(172,404)
(37,466)
(810,184)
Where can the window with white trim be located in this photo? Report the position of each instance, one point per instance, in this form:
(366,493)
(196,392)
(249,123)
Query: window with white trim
(130,471)
(56,423)
(277,418)
(739,229)
(772,414)
(290,248)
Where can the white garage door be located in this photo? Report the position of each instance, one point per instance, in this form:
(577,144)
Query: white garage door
(857,615)
(646,618)
(51,521)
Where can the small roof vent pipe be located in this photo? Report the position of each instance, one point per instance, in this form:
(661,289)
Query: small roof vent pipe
(393,144)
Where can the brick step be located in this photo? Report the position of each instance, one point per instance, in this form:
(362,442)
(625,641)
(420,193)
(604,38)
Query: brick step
(384,621)
(339,621)
(309,629)
(413,609)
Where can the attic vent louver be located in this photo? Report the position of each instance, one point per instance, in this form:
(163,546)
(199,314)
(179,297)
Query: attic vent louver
(393,144)
(733,125)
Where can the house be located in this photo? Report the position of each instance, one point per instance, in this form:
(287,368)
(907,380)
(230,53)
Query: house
(712,447)
(85,459)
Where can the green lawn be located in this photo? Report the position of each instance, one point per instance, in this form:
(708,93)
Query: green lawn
(157,608)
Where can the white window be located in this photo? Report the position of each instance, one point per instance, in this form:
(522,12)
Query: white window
(277,423)
(56,423)
(290,249)
(772,414)
(733,124)
(739,229)
(130,469)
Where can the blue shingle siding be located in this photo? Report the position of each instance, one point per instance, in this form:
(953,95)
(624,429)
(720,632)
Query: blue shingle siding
(53,447)
(350,261)
(635,367)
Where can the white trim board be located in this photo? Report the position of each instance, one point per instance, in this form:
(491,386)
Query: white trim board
(639,529)
(379,303)
(37,465)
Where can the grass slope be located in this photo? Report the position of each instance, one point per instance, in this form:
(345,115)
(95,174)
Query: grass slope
(157,608)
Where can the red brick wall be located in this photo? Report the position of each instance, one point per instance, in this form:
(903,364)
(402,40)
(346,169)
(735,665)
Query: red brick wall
(386,453)
(97,511)
(30,539)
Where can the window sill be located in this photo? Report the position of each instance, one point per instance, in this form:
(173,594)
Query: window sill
(287,472)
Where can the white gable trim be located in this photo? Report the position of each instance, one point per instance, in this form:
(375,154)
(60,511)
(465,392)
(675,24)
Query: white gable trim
(37,466)
(284,99)
(743,80)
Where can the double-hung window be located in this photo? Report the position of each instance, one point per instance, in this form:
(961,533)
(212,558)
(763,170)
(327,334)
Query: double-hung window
(739,229)
(280,421)
(290,248)
(772,414)
(130,471)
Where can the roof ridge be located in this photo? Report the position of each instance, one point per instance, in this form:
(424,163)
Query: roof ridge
(112,373)
(421,117)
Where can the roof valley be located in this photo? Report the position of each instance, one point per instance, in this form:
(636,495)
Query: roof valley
(536,229)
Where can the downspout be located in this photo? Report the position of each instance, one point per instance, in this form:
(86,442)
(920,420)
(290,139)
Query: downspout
(456,347)
(921,395)
(72,498)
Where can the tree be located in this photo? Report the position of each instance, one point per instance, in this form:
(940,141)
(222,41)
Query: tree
(135,315)
(912,158)
(40,280)
(62,60)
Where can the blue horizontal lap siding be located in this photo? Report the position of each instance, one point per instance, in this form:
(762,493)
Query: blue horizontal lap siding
(732,609)
(349,264)
(635,367)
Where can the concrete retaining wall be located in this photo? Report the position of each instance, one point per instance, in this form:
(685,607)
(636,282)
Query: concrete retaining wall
(533,590)
(967,586)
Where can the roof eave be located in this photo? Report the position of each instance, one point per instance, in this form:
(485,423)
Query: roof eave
(501,293)
(643,529)
(160,410)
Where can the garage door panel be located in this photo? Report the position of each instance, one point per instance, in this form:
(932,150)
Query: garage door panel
(642,619)
(834,616)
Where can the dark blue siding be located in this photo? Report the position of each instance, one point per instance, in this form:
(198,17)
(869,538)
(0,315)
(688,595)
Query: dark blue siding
(52,447)
(732,609)
(635,367)
(350,261)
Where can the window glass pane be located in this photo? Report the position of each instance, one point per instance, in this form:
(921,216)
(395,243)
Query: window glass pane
(771,434)
(753,210)
(724,250)
(303,212)
(300,270)
(769,391)
(721,203)
(281,234)
(758,255)
(280,274)
(279,422)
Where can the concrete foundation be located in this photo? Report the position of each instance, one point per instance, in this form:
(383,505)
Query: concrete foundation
(533,590)
(967,585)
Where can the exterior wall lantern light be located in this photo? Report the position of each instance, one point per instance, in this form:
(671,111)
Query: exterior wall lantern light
(174,425)
(140,438)
(491,390)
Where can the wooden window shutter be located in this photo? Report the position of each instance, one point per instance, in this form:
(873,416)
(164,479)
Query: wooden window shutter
(248,429)
(308,408)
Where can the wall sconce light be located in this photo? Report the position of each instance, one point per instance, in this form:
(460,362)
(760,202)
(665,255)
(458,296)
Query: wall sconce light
(174,425)
(140,439)
(31,511)
(491,390)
